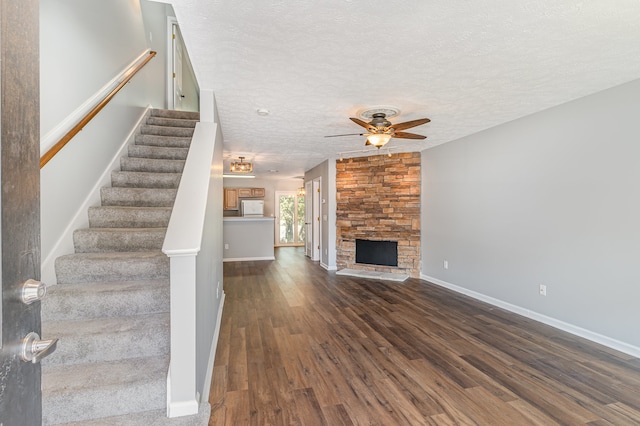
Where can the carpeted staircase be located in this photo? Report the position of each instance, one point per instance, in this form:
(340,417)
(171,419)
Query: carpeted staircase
(110,308)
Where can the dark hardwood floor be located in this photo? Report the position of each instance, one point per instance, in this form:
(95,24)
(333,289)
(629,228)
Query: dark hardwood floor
(300,345)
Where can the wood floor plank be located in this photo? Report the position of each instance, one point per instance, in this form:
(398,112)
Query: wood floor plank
(300,345)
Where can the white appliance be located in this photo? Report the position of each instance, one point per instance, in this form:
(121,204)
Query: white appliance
(252,208)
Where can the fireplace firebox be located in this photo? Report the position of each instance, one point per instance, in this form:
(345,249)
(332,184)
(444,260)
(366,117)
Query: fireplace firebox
(377,252)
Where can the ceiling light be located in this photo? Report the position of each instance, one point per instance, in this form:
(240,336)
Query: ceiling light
(301,191)
(240,167)
(378,139)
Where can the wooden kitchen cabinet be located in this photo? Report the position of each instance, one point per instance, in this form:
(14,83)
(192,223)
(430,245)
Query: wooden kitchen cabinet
(257,192)
(231,199)
(250,192)
(232,196)
(244,192)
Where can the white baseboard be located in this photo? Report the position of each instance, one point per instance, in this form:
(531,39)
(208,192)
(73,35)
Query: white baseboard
(184,408)
(328,268)
(64,245)
(212,353)
(561,325)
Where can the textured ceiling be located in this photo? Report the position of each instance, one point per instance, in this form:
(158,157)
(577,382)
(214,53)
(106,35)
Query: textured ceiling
(467,65)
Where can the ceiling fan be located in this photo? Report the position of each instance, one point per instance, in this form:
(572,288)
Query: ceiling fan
(380,130)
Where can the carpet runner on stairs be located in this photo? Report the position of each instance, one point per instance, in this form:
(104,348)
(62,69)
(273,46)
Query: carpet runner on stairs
(110,308)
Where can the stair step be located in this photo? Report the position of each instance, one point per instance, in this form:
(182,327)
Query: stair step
(168,141)
(158,152)
(101,240)
(171,113)
(154,418)
(86,391)
(138,197)
(153,165)
(171,122)
(129,217)
(145,180)
(123,266)
(105,299)
(182,132)
(108,339)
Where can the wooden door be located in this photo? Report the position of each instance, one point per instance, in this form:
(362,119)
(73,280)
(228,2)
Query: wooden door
(20,396)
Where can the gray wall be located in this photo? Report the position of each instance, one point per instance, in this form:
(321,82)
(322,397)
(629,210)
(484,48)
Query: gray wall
(327,171)
(552,198)
(210,272)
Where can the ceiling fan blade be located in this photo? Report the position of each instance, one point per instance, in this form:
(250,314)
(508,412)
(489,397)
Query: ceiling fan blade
(347,134)
(406,135)
(408,124)
(363,124)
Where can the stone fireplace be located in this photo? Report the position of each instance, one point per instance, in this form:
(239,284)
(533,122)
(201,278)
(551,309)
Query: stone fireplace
(378,199)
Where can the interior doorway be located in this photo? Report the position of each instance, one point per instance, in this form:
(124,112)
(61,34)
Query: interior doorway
(290,218)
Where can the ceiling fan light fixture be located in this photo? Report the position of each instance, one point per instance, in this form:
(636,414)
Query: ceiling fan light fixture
(241,167)
(378,139)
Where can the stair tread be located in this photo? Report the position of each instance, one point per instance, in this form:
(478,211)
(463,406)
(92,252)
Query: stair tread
(139,179)
(163,141)
(150,418)
(104,299)
(171,121)
(129,216)
(157,152)
(125,255)
(122,230)
(103,325)
(69,378)
(171,113)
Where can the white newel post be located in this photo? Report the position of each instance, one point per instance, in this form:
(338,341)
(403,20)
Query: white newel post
(182,369)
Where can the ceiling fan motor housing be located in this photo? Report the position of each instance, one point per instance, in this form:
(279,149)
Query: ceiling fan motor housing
(379,121)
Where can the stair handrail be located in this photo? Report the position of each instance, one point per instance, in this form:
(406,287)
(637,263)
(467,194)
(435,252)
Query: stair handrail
(128,75)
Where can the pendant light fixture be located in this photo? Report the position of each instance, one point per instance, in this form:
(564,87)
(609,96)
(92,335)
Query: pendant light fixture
(241,167)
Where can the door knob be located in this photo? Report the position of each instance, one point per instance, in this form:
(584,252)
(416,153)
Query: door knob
(32,290)
(33,349)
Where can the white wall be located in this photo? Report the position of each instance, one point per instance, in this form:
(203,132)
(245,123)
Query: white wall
(552,198)
(84,46)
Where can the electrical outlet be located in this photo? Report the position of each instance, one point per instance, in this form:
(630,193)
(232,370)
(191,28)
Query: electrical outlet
(543,290)
(226,246)
(445,264)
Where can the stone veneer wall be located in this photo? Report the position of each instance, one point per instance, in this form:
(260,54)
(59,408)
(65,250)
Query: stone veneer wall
(378,198)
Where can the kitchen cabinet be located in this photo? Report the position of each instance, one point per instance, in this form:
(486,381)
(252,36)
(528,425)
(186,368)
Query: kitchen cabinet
(232,196)
(231,199)
(244,192)
(250,192)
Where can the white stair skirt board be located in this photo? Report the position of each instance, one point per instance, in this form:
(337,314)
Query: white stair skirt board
(388,276)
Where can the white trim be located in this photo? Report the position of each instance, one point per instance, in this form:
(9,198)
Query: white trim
(184,233)
(54,135)
(212,353)
(180,409)
(561,325)
(243,259)
(327,267)
(64,244)
(171,20)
